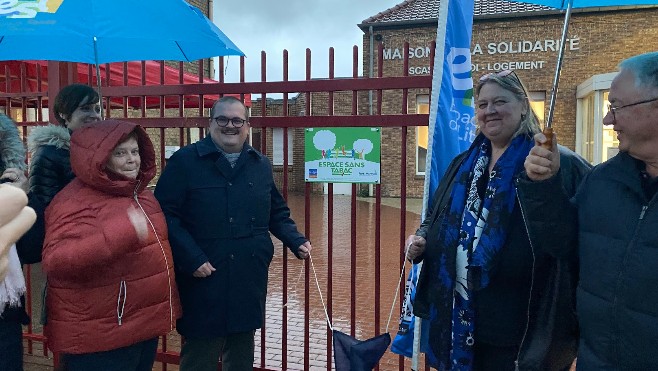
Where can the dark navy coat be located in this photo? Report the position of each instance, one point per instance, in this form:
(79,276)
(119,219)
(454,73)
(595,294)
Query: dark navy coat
(614,223)
(223,215)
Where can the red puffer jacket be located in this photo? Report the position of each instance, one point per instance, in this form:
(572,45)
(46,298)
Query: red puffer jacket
(106,289)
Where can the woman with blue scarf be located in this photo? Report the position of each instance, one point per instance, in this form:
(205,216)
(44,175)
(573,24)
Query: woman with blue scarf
(492,301)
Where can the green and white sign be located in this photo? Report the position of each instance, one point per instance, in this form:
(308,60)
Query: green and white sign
(342,155)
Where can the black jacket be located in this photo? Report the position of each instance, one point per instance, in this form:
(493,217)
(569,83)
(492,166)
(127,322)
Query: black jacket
(223,215)
(550,340)
(615,226)
(50,171)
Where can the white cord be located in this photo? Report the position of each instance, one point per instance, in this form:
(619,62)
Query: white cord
(326,314)
(397,290)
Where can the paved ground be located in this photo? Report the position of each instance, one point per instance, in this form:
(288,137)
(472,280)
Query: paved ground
(365,295)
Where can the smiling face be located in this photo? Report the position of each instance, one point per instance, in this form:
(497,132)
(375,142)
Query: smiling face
(86,113)
(636,126)
(499,113)
(229,138)
(125,159)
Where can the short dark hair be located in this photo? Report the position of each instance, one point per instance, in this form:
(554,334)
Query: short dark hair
(69,98)
(227,99)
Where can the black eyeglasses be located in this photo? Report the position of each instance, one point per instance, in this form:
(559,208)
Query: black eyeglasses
(615,109)
(223,121)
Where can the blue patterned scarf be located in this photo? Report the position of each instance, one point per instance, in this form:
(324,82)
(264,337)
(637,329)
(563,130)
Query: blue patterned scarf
(471,236)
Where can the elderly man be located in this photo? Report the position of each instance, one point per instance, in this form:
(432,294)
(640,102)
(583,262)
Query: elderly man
(220,201)
(614,217)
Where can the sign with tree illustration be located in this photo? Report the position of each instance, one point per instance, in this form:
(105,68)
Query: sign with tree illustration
(342,155)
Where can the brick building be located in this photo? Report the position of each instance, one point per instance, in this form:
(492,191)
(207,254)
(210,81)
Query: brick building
(506,35)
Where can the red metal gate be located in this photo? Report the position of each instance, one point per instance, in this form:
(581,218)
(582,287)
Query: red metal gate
(351,244)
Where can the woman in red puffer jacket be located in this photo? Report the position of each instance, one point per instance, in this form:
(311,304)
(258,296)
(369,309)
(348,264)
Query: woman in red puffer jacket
(111,286)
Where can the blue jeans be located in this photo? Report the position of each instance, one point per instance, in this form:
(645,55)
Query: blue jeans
(136,357)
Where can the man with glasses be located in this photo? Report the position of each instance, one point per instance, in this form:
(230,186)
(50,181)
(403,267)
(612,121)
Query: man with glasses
(220,201)
(614,219)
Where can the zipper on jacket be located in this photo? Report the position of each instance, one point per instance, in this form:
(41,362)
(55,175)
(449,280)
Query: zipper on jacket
(164,254)
(620,275)
(532,280)
(121,301)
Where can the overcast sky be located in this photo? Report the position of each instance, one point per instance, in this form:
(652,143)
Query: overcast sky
(274,25)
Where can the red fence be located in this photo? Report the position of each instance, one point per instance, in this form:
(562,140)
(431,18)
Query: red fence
(355,240)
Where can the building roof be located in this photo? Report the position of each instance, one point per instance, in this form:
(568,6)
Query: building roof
(414,11)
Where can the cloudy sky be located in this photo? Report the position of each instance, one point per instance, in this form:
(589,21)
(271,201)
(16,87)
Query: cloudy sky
(274,25)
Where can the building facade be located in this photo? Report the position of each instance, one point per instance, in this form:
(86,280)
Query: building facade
(525,38)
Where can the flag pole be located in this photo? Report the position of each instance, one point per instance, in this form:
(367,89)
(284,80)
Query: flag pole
(439,55)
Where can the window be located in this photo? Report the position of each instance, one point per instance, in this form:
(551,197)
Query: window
(594,141)
(277,146)
(537,103)
(422,139)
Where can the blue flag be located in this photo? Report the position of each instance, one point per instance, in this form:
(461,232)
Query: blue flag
(451,131)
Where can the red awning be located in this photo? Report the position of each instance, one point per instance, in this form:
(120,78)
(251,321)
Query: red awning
(11,71)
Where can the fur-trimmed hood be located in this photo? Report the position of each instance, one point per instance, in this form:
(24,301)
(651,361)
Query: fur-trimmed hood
(49,135)
(12,151)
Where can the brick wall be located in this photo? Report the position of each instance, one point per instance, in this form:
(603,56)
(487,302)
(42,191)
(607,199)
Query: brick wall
(604,39)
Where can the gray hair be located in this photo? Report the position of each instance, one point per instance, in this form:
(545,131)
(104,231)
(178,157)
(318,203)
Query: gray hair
(511,82)
(645,69)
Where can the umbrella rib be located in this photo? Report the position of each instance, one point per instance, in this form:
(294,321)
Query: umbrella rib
(182,52)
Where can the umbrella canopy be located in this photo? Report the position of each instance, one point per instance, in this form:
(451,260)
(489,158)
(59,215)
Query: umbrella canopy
(102,31)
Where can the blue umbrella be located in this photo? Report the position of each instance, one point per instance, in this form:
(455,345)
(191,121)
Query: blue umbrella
(567,5)
(105,31)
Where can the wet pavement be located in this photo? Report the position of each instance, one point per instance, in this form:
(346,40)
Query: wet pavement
(340,301)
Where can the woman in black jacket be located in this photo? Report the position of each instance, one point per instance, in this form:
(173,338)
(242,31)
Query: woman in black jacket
(50,168)
(493,302)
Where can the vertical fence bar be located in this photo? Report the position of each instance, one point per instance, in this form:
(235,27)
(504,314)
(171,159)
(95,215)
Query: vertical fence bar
(220,66)
(143,97)
(125,83)
(242,76)
(201,101)
(353,204)
(39,101)
(105,97)
(284,312)
(263,140)
(163,143)
(307,229)
(7,88)
(378,209)
(330,224)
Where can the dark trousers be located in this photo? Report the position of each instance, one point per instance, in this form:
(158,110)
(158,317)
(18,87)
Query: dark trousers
(202,354)
(136,357)
(11,346)
(494,358)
